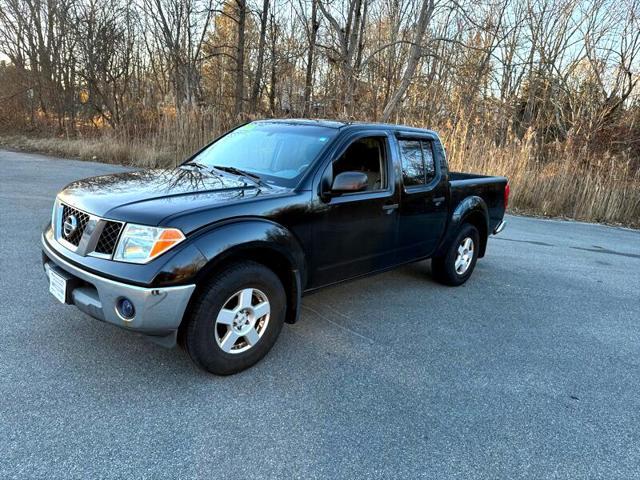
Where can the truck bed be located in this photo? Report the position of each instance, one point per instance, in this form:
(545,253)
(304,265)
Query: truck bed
(489,188)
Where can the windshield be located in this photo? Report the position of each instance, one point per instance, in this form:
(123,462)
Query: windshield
(276,152)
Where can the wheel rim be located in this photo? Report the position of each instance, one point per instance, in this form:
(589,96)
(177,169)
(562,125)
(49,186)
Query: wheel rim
(465,256)
(242,321)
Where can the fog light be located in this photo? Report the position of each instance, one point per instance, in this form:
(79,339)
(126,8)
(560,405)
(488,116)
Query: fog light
(126,309)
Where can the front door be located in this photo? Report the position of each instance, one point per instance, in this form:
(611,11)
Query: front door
(355,233)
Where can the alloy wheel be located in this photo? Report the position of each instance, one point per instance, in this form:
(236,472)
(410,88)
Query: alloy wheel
(464,256)
(242,321)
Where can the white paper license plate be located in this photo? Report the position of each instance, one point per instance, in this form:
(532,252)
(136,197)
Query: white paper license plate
(57,286)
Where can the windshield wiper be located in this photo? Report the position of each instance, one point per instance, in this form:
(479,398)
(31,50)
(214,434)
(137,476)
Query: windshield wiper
(236,171)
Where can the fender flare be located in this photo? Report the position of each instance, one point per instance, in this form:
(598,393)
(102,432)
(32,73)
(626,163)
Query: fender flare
(263,241)
(472,207)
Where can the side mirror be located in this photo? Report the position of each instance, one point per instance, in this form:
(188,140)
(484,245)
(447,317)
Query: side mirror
(346,182)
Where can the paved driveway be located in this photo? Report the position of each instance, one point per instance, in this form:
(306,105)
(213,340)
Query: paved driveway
(529,370)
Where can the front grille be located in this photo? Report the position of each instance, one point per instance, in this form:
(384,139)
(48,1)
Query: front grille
(108,231)
(109,237)
(82,219)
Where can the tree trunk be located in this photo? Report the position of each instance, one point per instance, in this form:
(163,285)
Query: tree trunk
(239,91)
(349,68)
(415,52)
(272,83)
(255,90)
(308,82)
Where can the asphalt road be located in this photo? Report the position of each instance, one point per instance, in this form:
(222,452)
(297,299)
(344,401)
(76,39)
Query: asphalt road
(530,370)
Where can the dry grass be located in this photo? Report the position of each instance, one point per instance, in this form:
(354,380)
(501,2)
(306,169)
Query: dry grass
(105,149)
(172,139)
(576,184)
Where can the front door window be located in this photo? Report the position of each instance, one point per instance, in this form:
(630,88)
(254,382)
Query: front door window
(367,155)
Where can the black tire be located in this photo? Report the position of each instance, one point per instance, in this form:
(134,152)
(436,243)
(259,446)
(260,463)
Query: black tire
(443,267)
(202,332)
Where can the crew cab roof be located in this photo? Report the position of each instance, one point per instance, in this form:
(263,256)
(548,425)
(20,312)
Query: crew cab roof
(351,125)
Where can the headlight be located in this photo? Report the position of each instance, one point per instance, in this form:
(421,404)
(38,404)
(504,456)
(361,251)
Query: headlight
(141,244)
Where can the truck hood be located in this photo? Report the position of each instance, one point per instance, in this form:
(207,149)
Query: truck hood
(149,196)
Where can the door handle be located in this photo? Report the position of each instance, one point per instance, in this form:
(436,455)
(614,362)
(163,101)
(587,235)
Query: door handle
(390,208)
(438,201)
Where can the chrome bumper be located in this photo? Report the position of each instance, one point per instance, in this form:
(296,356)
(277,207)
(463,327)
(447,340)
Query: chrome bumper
(500,227)
(159,311)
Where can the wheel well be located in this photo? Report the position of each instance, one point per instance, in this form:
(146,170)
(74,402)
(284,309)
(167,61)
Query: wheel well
(270,258)
(478,220)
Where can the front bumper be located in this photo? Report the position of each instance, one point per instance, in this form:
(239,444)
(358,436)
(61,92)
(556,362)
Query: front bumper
(159,311)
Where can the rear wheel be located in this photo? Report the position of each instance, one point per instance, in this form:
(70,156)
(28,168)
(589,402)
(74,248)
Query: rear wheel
(455,266)
(236,319)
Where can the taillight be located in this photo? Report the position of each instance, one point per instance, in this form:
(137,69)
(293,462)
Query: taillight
(507,191)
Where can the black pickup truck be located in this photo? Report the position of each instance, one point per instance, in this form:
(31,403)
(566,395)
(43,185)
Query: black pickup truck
(216,253)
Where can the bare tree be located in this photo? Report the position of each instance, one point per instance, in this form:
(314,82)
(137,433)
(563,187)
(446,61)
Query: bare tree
(312,28)
(348,44)
(241,12)
(180,26)
(255,90)
(274,64)
(415,53)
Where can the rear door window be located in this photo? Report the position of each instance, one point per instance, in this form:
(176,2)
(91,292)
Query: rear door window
(418,166)
(412,163)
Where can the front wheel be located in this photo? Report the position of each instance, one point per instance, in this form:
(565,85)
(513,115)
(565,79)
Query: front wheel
(236,318)
(455,266)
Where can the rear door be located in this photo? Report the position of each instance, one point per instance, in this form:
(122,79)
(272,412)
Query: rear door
(423,207)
